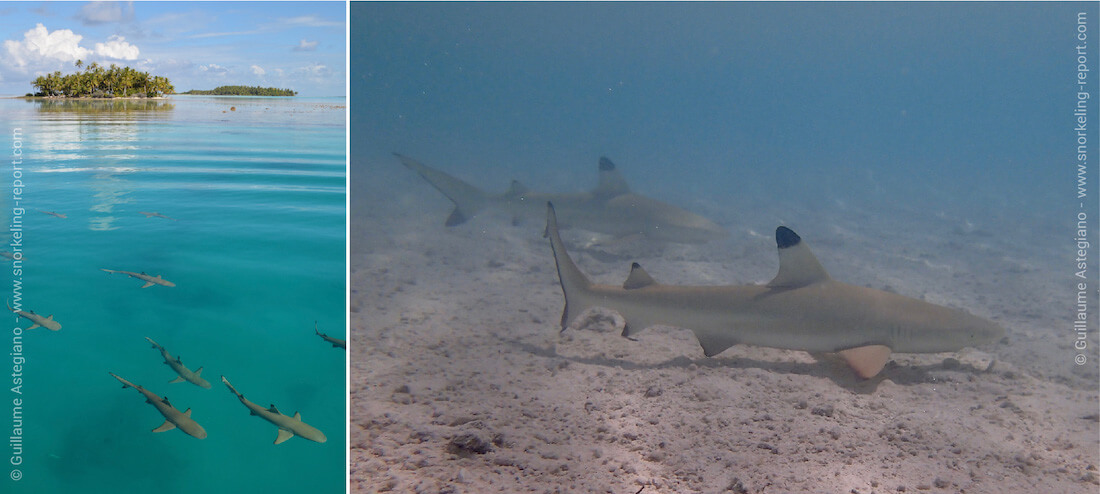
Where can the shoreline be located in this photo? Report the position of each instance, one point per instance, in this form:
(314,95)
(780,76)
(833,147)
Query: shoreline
(68,98)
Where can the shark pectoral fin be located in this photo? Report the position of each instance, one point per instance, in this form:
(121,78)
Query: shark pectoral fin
(35,325)
(177,380)
(797,264)
(166,426)
(638,278)
(283,436)
(147,284)
(868,360)
(712,345)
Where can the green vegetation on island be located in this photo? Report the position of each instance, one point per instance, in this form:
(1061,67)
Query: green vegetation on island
(98,82)
(244,91)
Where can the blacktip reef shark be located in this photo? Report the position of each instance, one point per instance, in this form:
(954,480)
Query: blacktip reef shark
(173,418)
(802,308)
(610,208)
(51,213)
(155,215)
(336,342)
(149,280)
(39,321)
(176,364)
(288,426)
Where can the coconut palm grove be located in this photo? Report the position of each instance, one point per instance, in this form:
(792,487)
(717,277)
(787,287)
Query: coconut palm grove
(95,81)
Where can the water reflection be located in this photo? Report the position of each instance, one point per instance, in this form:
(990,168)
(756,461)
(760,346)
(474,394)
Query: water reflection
(110,190)
(102,106)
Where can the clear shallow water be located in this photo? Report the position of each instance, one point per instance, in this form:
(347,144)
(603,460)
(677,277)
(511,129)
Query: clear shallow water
(257,254)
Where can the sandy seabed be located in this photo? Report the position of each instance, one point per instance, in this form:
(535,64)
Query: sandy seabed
(462,382)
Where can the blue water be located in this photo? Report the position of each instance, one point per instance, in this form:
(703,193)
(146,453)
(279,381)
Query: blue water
(257,253)
(925,148)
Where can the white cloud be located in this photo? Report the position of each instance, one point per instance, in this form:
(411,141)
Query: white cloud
(310,21)
(306,45)
(314,70)
(105,12)
(117,47)
(214,69)
(256,69)
(39,43)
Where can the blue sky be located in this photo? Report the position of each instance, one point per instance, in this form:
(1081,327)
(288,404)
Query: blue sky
(197,45)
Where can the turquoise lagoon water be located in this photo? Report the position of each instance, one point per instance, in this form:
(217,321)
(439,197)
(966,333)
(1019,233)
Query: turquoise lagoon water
(257,251)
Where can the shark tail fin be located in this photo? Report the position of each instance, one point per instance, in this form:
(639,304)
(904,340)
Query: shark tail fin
(232,389)
(468,200)
(574,284)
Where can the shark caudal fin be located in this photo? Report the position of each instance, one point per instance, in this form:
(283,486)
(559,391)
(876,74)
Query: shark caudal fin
(467,198)
(574,284)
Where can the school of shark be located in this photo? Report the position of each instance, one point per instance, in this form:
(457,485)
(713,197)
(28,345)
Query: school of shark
(287,426)
(802,308)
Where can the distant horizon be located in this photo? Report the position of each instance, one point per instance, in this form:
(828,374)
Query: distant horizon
(287,45)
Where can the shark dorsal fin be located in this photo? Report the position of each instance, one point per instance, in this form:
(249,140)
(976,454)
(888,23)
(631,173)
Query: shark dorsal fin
(516,189)
(611,182)
(272,409)
(165,401)
(198,373)
(297,416)
(797,264)
(638,278)
(187,412)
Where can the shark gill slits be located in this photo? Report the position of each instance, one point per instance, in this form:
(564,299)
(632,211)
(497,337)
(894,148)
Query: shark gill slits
(606,165)
(785,237)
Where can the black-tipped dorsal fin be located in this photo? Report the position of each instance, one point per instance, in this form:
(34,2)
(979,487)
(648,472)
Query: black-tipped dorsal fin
(516,189)
(638,278)
(611,182)
(797,264)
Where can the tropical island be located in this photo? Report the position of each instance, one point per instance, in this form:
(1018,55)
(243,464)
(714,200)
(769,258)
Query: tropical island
(99,82)
(244,91)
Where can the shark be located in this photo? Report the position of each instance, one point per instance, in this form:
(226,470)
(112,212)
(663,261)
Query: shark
(173,418)
(39,321)
(802,308)
(336,342)
(155,215)
(149,280)
(52,213)
(288,426)
(176,364)
(611,208)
